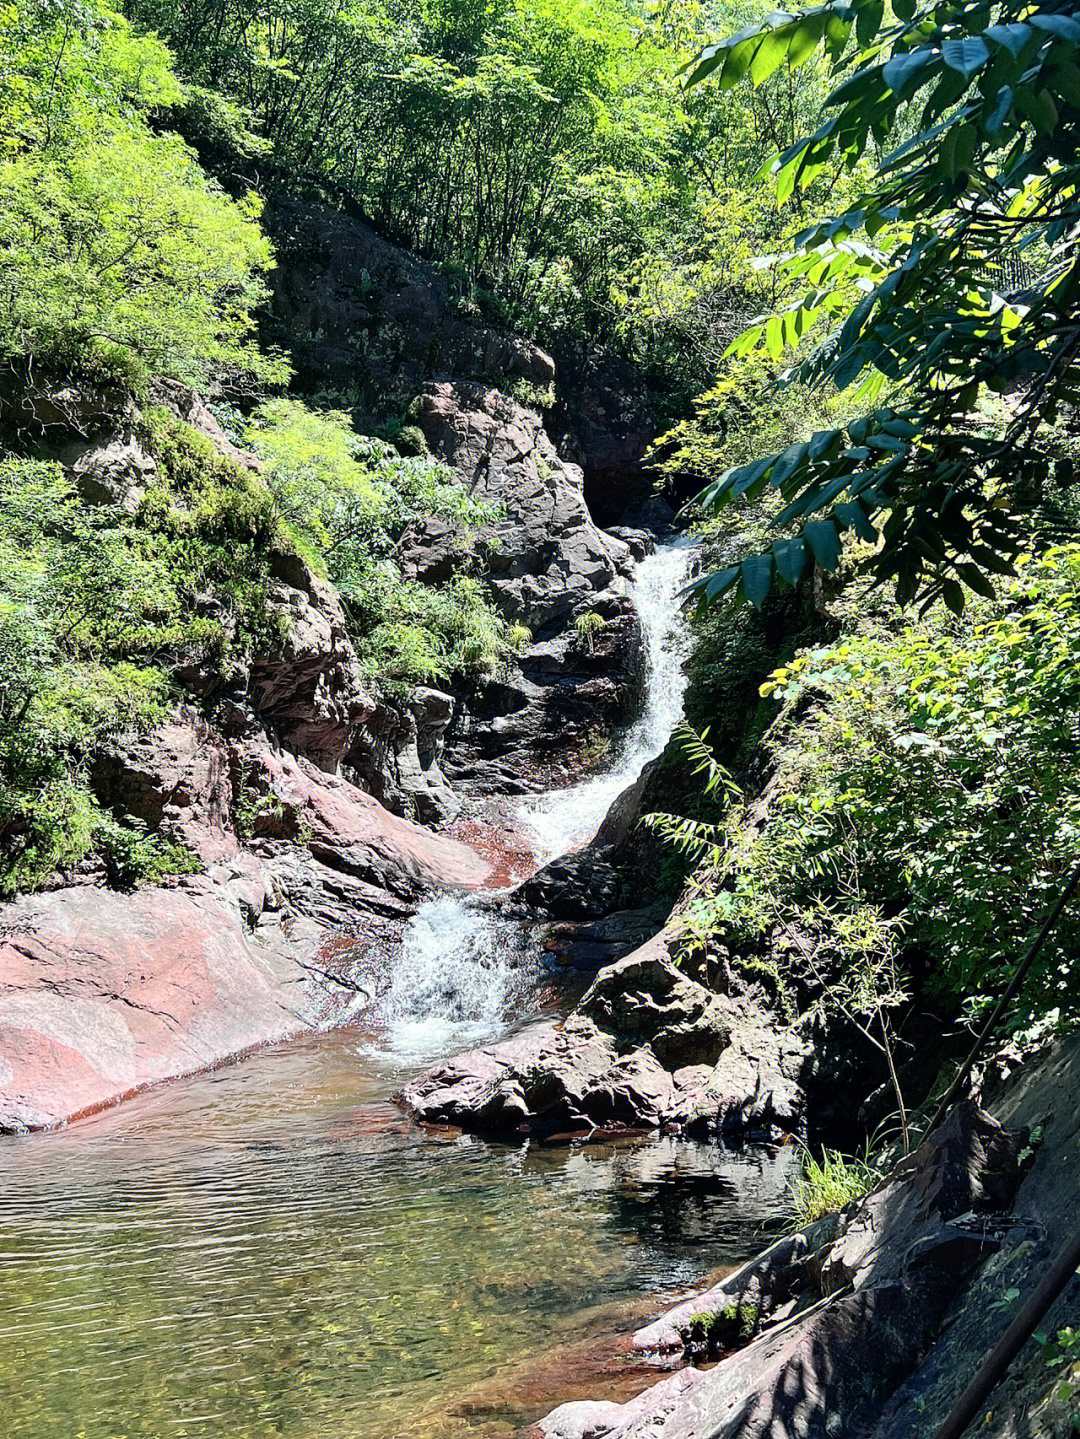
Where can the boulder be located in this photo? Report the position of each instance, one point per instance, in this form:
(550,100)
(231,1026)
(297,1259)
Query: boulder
(587,884)
(308,691)
(646,1048)
(543,720)
(588,947)
(189,406)
(177,779)
(309,882)
(348,830)
(644,1000)
(109,467)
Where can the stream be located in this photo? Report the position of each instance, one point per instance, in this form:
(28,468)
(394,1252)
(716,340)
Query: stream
(273,1249)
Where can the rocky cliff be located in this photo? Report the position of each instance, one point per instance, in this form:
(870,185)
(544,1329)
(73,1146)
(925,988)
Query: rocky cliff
(301,789)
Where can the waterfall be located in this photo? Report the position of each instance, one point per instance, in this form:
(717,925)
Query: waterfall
(464,971)
(564,819)
(458,980)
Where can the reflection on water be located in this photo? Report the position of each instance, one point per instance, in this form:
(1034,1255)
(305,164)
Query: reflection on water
(272,1250)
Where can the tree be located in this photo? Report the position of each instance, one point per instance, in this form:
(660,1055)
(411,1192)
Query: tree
(119,258)
(954,275)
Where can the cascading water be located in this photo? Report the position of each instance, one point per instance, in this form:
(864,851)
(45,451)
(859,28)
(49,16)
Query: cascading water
(564,819)
(457,981)
(463,971)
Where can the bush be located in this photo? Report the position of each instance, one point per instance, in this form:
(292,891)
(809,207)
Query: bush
(924,793)
(345,500)
(79,601)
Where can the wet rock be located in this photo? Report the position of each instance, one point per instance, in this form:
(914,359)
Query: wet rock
(540,722)
(646,1048)
(590,946)
(588,884)
(818,1357)
(639,542)
(580,886)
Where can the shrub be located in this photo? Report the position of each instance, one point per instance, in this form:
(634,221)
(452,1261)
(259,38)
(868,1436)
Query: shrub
(924,805)
(345,500)
(79,602)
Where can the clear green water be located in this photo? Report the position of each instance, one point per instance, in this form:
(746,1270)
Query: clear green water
(272,1250)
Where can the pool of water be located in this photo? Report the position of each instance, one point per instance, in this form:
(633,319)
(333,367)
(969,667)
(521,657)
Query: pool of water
(273,1250)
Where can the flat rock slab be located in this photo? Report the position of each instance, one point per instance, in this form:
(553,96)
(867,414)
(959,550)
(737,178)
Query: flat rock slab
(103,993)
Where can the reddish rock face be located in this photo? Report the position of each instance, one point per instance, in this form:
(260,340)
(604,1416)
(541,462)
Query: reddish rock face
(103,993)
(176,780)
(351,831)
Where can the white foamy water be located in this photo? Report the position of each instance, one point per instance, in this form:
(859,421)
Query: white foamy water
(565,819)
(458,980)
(464,971)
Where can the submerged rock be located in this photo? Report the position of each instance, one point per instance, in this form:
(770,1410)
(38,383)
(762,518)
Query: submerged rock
(645,1048)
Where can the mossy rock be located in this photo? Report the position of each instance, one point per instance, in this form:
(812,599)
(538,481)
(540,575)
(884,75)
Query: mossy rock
(410,440)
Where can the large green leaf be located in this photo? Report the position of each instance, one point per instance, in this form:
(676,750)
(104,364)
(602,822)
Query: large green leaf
(757,572)
(824,540)
(966,56)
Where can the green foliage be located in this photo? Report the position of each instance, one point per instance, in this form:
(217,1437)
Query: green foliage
(78,602)
(587,627)
(829,1182)
(923,775)
(1062,1353)
(547,155)
(953,272)
(119,259)
(345,501)
(213,527)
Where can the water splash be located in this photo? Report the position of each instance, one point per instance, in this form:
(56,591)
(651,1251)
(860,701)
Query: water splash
(464,972)
(565,819)
(460,978)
